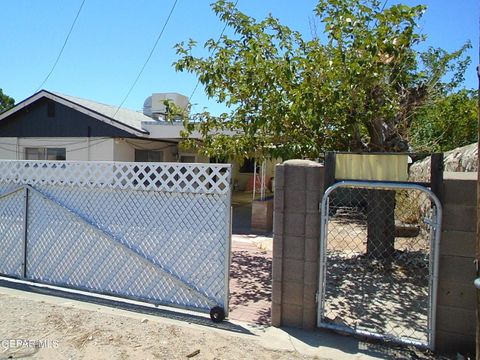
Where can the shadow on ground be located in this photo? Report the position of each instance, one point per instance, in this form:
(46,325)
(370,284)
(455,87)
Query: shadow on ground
(251,284)
(355,344)
(387,293)
(242,219)
(126,304)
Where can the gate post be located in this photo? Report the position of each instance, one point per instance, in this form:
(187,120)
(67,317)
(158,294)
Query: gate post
(296,237)
(456,301)
(25,232)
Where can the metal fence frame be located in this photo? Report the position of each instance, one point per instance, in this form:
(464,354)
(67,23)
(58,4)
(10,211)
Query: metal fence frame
(29,177)
(433,259)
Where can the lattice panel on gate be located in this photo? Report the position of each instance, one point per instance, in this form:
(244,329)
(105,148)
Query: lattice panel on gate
(185,233)
(11,230)
(150,231)
(170,177)
(71,253)
(377,262)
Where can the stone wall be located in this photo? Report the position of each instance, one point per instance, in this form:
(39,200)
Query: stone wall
(463,159)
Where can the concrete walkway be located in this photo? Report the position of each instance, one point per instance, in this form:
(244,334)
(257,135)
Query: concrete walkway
(251,279)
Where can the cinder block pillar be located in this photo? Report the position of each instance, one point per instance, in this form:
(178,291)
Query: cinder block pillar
(456,301)
(296,238)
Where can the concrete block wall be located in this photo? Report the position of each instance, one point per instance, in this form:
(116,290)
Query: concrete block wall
(296,237)
(456,302)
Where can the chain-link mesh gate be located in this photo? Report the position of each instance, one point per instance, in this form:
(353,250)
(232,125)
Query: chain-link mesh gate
(157,232)
(378,262)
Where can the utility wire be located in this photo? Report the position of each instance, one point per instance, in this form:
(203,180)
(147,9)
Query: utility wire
(213,52)
(384,4)
(148,58)
(63,46)
(92,143)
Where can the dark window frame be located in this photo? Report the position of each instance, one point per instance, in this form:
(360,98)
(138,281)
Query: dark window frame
(44,153)
(248,166)
(144,155)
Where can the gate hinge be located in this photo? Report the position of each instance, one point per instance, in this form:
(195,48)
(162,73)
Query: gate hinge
(316,297)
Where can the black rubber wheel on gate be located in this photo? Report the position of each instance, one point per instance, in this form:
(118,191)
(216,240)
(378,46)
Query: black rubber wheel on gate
(217,314)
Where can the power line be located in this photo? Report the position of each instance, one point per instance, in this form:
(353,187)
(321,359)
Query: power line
(42,141)
(93,142)
(213,51)
(384,4)
(63,46)
(148,58)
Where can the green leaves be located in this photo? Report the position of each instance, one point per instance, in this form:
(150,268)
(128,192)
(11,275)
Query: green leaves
(447,123)
(288,97)
(6,102)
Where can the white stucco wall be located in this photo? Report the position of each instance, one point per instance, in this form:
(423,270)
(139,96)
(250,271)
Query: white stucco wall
(8,148)
(76,148)
(109,149)
(124,149)
(95,149)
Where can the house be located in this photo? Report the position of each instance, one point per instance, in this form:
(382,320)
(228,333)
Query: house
(54,126)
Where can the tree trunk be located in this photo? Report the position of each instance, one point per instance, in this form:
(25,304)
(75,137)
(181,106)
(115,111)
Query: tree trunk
(381,224)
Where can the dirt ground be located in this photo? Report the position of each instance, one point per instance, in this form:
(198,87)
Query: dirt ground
(32,328)
(388,298)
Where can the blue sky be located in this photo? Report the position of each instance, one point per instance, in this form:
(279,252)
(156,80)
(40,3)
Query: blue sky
(112,39)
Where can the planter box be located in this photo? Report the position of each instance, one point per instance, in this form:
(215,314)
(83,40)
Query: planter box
(262,215)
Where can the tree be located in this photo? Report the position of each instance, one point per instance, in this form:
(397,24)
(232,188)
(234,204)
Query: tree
(6,102)
(446,124)
(356,88)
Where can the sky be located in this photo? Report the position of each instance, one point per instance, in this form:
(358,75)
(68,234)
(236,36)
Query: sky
(112,39)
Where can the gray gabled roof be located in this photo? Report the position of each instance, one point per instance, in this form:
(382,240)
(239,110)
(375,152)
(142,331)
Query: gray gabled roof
(125,116)
(125,119)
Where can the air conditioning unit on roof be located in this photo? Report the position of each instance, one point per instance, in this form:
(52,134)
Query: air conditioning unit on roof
(154,106)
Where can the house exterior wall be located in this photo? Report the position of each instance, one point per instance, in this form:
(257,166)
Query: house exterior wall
(242,179)
(198,158)
(9,149)
(95,149)
(101,149)
(125,149)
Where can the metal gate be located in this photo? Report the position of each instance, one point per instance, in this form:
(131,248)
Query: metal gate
(379,260)
(156,232)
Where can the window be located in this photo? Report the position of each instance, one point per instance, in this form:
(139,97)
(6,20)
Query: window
(45,153)
(219,160)
(188,158)
(148,155)
(248,166)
